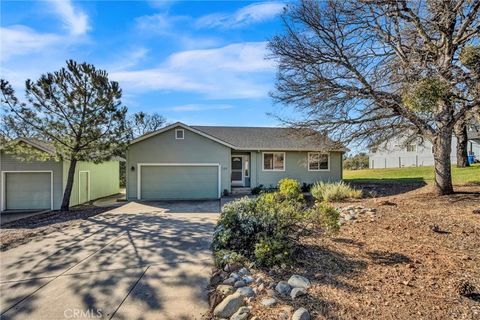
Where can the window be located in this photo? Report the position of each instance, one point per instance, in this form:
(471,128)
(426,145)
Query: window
(179,134)
(411,148)
(274,161)
(318,161)
(247,165)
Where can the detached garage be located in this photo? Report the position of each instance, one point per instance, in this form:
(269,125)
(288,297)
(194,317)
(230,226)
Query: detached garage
(39,185)
(28,190)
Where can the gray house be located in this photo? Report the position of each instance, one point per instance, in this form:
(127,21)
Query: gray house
(201,162)
(39,185)
(396,154)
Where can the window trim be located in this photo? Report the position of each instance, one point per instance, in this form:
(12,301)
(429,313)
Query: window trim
(273,152)
(183,134)
(317,152)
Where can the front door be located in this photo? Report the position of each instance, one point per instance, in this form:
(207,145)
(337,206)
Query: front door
(238,178)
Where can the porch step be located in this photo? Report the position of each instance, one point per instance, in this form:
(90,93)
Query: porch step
(241,191)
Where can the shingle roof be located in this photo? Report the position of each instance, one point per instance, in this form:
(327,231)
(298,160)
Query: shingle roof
(271,138)
(41,145)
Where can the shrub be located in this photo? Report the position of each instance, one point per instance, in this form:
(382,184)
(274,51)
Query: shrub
(261,229)
(255,191)
(306,187)
(324,215)
(269,252)
(322,191)
(290,189)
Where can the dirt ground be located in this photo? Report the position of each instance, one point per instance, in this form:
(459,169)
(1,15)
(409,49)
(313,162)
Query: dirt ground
(24,230)
(394,266)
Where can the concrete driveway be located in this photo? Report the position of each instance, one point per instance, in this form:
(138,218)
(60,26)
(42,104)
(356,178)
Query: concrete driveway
(138,261)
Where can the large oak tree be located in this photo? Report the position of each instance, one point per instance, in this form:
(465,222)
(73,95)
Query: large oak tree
(77,109)
(377,69)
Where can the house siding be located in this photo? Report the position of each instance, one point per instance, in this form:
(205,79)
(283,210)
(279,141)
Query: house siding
(164,148)
(9,163)
(104,179)
(394,155)
(296,167)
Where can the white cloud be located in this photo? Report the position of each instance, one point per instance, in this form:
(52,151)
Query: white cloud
(234,71)
(129,59)
(200,107)
(75,20)
(250,14)
(22,40)
(160,23)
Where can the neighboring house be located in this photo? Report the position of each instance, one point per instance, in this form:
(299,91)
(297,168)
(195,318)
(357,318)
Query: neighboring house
(396,154)
(181,162)
(37,185)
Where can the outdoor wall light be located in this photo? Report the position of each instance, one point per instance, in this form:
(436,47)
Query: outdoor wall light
(132,168)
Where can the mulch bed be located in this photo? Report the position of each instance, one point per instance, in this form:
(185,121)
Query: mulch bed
(407,263)
(24,230)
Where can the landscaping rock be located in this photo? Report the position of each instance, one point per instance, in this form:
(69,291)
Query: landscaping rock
(231,267)
(241,314)
(217,277)
(225,289)
(283,288)
(235,275)
(229,306)
(229,281)
(261,287)
(297,292)
(239,284)
(268,302)
(246,292)
(297,281)
(243,272)
(247,279)
(301,314)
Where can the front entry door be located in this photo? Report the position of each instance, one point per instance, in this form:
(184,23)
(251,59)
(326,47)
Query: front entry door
(238,178)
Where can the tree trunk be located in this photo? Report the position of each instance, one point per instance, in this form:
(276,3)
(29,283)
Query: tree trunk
(462,144)
(68,188)
(442,147)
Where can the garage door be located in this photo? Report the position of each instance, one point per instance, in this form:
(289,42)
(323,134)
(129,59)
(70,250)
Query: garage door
(27,190)
(179,182)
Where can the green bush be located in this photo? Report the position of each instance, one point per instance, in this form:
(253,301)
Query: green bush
(261,229)
(324,215)
(290,189)
(269,252)
(323,191)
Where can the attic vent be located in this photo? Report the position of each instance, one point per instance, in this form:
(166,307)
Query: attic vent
(179,134)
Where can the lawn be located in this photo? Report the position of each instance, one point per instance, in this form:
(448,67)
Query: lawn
(413,175)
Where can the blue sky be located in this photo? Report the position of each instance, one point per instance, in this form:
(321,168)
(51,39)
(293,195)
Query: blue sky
(195,62)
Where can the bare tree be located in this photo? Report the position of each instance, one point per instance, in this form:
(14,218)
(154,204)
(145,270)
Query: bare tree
(371,70)
(141,123)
